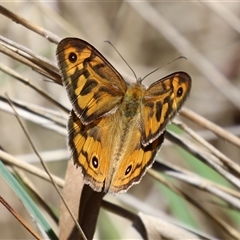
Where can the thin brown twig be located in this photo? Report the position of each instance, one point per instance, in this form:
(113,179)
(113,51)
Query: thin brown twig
(19,218)
(30,25)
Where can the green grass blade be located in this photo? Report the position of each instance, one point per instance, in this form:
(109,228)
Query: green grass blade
(27,201)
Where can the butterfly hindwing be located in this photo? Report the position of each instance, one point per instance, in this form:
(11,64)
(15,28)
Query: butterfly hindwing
(137,160)
(94,87)
(86,143)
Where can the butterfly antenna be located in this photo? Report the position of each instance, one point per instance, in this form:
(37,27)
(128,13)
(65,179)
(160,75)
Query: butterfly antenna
(122,58)
(163,66)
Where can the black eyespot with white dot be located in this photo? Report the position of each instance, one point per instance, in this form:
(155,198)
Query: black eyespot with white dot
(95,162)
(179,92)
(72,57)
(128,170)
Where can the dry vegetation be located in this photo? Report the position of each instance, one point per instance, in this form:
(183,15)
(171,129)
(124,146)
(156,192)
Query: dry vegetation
(192,192)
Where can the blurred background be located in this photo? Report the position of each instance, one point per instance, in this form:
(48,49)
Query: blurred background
(148,35)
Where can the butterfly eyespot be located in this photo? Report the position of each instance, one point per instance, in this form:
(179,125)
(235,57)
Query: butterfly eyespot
(129,168)
(179,92)
(72,57)
(95,162)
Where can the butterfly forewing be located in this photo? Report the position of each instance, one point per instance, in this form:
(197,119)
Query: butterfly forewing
(94,87)
(161,101)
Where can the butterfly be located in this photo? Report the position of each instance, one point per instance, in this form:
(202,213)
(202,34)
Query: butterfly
(115,129)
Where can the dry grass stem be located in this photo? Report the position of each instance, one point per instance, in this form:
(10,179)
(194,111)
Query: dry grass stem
(229,17)
(30,25)
(233,167)
(25,81)
(36,114)
(11,160)
(196,118)
(204,156)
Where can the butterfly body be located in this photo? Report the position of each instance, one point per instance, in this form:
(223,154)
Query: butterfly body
(115,129)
